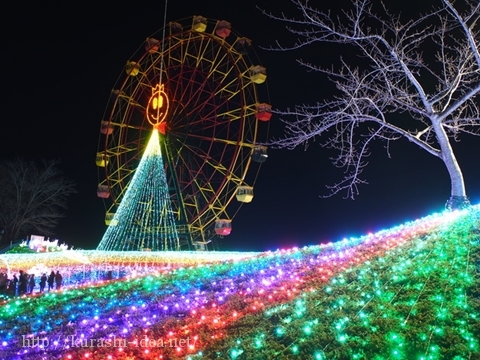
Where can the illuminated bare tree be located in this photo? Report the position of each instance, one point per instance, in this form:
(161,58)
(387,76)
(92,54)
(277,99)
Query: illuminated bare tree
(32,197)
(427,70)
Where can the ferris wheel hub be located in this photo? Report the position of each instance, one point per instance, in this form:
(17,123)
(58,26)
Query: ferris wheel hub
(161,128)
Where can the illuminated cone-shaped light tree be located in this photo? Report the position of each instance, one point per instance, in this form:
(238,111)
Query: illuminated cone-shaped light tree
(144,219)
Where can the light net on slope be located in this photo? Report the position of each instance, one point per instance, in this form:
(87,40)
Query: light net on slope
(144,220)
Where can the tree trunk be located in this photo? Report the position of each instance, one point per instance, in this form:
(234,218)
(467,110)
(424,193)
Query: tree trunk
(458,196)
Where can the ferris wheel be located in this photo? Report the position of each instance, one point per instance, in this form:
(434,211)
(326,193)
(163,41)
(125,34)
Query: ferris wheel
(195,82)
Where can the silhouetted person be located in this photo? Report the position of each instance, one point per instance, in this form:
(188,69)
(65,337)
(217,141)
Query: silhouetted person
(58,280)
(43,282)
(14,284)
(22,283)
(3,283)
(51,280)
(31,283)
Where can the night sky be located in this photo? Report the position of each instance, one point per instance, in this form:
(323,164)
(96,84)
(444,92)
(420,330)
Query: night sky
(61,59)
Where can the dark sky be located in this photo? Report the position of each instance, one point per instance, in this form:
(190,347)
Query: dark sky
(61,59)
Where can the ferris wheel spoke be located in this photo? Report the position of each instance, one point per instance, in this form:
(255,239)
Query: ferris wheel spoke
(215,164)
(199,172)
(223,141)
(130,101)
(203,99)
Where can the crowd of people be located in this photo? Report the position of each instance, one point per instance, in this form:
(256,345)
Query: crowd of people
(25,283)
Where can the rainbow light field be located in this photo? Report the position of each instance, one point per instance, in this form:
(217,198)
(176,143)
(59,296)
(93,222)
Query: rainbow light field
(410,292)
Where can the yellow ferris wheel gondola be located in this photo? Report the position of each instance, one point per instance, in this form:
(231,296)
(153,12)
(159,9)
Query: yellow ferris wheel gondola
(211,134)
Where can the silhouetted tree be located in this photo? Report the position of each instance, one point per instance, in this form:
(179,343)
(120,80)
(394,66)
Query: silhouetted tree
(426,68)
(32,197)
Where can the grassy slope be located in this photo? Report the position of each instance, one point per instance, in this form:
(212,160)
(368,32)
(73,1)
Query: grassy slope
(417,301)
(412,293)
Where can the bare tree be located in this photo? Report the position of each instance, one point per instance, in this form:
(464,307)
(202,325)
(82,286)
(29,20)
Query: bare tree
(32,197)
(425,69)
